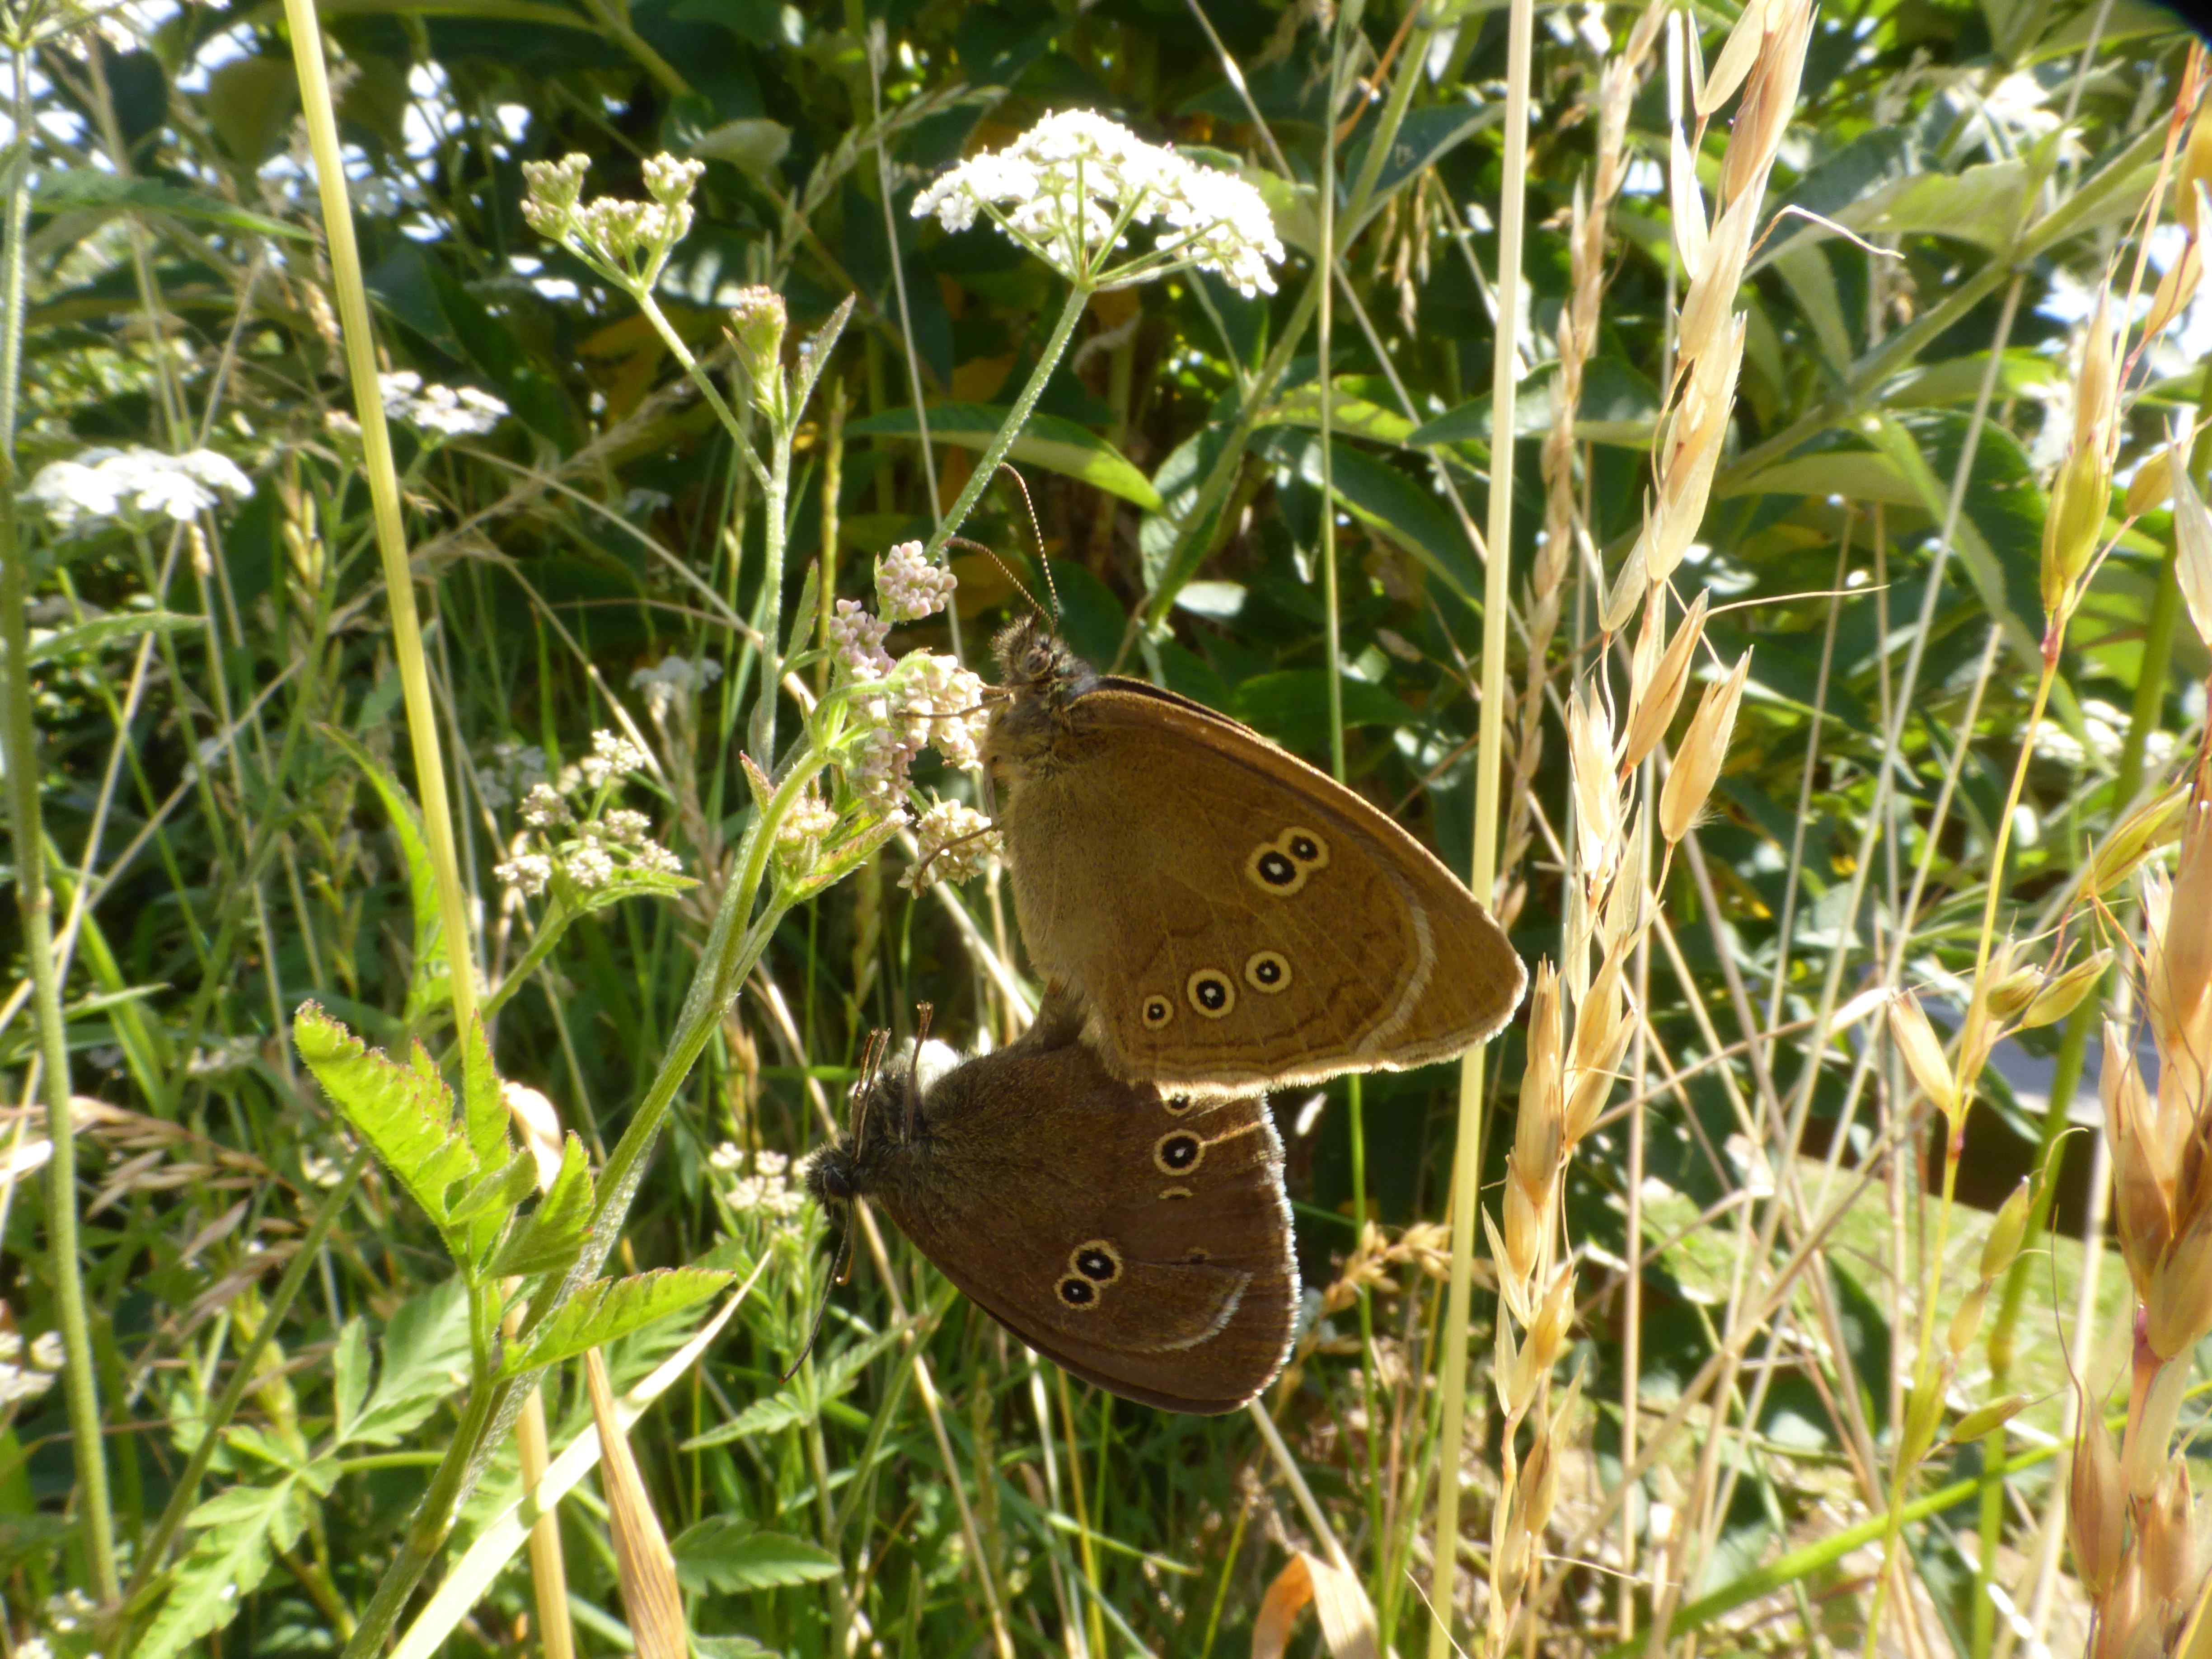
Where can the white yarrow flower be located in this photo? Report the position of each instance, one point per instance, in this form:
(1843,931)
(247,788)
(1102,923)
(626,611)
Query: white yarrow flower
(1070,188)
(955,843)
(908,586)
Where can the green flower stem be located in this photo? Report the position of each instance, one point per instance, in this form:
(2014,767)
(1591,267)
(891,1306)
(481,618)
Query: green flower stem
(1482,876)
(2151,678)
(360,339)
(19,733)
(732,950)
(987,466)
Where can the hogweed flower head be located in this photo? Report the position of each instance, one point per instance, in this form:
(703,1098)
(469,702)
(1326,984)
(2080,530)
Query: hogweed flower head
(134,486)
(439,411)
(1069,188)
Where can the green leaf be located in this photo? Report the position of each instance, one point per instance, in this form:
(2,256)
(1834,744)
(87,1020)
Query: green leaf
(482,1108)
(610,1309)
(1057,444)
(768,1415)
(79,638)
(730,1647)
(549,1241)
(501,1193)
(88,189)
(1619,405)
(723,1554)
(1292,707)
(241,1530)
(1388,502)
(429,987)
(426,1359)
(407,1117)
(349,1378)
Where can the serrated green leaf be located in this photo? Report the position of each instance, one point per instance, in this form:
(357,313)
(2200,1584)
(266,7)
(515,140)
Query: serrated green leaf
(429,986)
(501,1193)
(425,1361)
(481,1108)
(407,1117)
(724,1554)
(768,1415)
(613,1308)
(1057,445)
(349,1378)
(241,1530)
(549,1241)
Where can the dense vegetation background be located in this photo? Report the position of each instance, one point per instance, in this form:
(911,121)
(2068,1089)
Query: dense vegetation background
(223,778)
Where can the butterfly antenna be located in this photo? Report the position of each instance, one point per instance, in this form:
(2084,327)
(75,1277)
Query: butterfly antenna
(1004,569)
(1036,534)
(922,1011)
(837,1267)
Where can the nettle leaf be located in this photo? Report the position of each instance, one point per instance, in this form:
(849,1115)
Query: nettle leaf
(725,1555)
(549,1241)
(426,1359)
(612,1308)
(404,1112)
(241,1531)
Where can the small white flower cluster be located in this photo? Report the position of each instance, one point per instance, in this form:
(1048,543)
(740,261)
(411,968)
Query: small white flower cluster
(612,757)
(955,843)
(134,485)
(908,588)
(609,843)
(1068,189)
(807,823)
(619,236)
(767,1189)
(927,702)
(509,767)
(19,1382)
(444,411)
(674,683)
(857,638)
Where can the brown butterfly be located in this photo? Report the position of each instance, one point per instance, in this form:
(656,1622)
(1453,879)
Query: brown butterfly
(1227,917)
(1143,1243)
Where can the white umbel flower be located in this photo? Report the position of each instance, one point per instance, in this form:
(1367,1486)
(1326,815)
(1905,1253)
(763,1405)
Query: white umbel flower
(1068,189)
(132,485)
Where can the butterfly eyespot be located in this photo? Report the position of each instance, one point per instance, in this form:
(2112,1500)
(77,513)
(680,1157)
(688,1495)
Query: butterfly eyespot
(1097,1260)
(1268,972)
(1306,847)
(1273,871)
(1078,1292)
(1211,993)
(1178,1153)
(1178,1104)
(1158,1010)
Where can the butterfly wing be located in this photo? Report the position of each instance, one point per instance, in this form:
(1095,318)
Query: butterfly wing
(1145,1247)
(1231,918)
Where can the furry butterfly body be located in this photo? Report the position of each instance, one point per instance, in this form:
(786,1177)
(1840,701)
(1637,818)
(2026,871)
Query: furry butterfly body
(1227,917)
(1142,1243)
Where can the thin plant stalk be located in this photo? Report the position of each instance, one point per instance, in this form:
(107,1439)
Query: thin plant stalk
(1467,1156)
(986,464)
(34,898)
(360,339)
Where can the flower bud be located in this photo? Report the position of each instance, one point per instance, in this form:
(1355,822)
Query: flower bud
(2061,996)
(2151,825)
(1655,691)
(1705,746)
(1967,1321)
(2012,989)
(2192,549)
(2179,1302)
(757,321)
(1986,1419)
(2152,486)
(2007,1231)
(2168,1535)
(2096,1504)
(2074,523)
(1923,1053)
